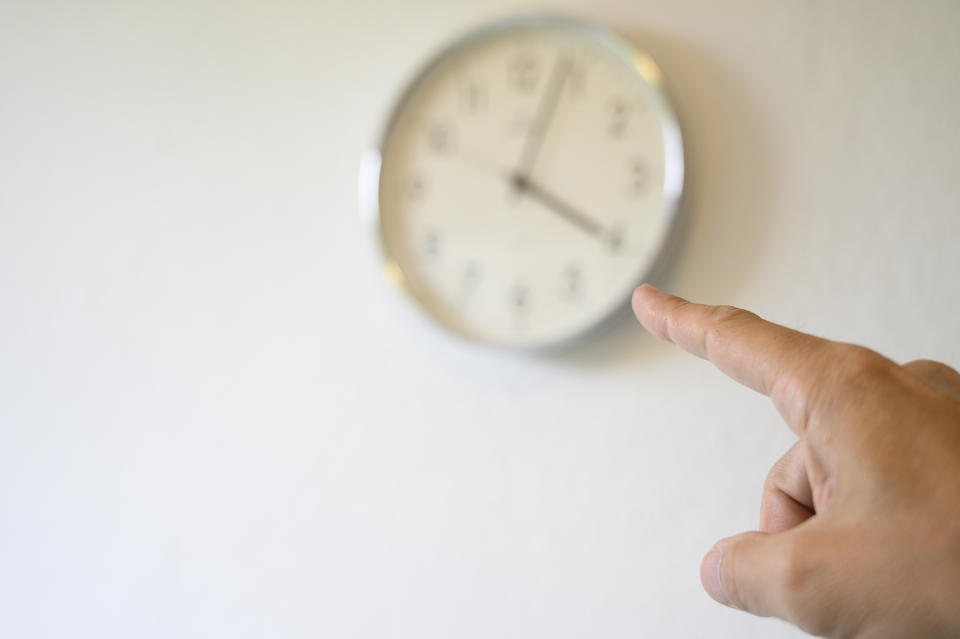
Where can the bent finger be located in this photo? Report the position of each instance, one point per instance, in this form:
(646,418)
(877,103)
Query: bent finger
(787,496)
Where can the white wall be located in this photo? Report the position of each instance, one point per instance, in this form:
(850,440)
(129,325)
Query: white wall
(216,420)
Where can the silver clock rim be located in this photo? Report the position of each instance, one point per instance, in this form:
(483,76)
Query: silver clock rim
(369,182)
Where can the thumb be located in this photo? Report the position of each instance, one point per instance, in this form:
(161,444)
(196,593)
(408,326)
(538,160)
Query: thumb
(765,574)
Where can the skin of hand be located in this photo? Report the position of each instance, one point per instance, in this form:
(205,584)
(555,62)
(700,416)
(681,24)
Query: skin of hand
(859,530)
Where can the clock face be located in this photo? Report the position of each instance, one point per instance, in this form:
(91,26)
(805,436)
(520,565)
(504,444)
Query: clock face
(527,181)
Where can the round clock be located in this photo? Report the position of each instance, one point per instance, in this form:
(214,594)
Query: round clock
(527,180)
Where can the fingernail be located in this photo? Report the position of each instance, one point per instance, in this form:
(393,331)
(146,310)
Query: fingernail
(649,287)
(710,576)
(638,293)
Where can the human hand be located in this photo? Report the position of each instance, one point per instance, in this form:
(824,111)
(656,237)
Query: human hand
(860,520)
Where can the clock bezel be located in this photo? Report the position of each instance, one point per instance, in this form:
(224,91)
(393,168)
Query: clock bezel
(370,187)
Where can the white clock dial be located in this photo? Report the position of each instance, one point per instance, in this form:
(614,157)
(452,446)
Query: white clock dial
(527,181)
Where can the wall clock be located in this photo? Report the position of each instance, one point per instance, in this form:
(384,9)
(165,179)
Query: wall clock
(526,180)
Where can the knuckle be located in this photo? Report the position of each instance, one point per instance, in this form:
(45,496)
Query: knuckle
(768,514)
(929,368)
(772,480)
(855,364)
(772,518)
(799,586)
(724,319)
(840,372)
(792,575)
(795,395)
(731,583)
(728,314)
(778,473)
(794,569)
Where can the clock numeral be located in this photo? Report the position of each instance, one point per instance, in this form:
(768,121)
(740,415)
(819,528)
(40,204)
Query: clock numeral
(525,72)
(473,98)
(470,276)
(639,178)
(519,299)
(431,244)
(615,239)
(572,280)
(415,189)
(619,118)
(440,138)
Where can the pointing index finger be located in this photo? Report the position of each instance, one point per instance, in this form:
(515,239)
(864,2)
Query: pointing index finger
(772,359)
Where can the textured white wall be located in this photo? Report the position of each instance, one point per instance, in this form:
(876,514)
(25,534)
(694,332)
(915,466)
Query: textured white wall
(217,421)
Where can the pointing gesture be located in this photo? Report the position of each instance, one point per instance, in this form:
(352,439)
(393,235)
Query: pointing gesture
(859,531)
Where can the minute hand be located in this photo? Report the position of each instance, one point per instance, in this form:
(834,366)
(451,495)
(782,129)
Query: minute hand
(561,208)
